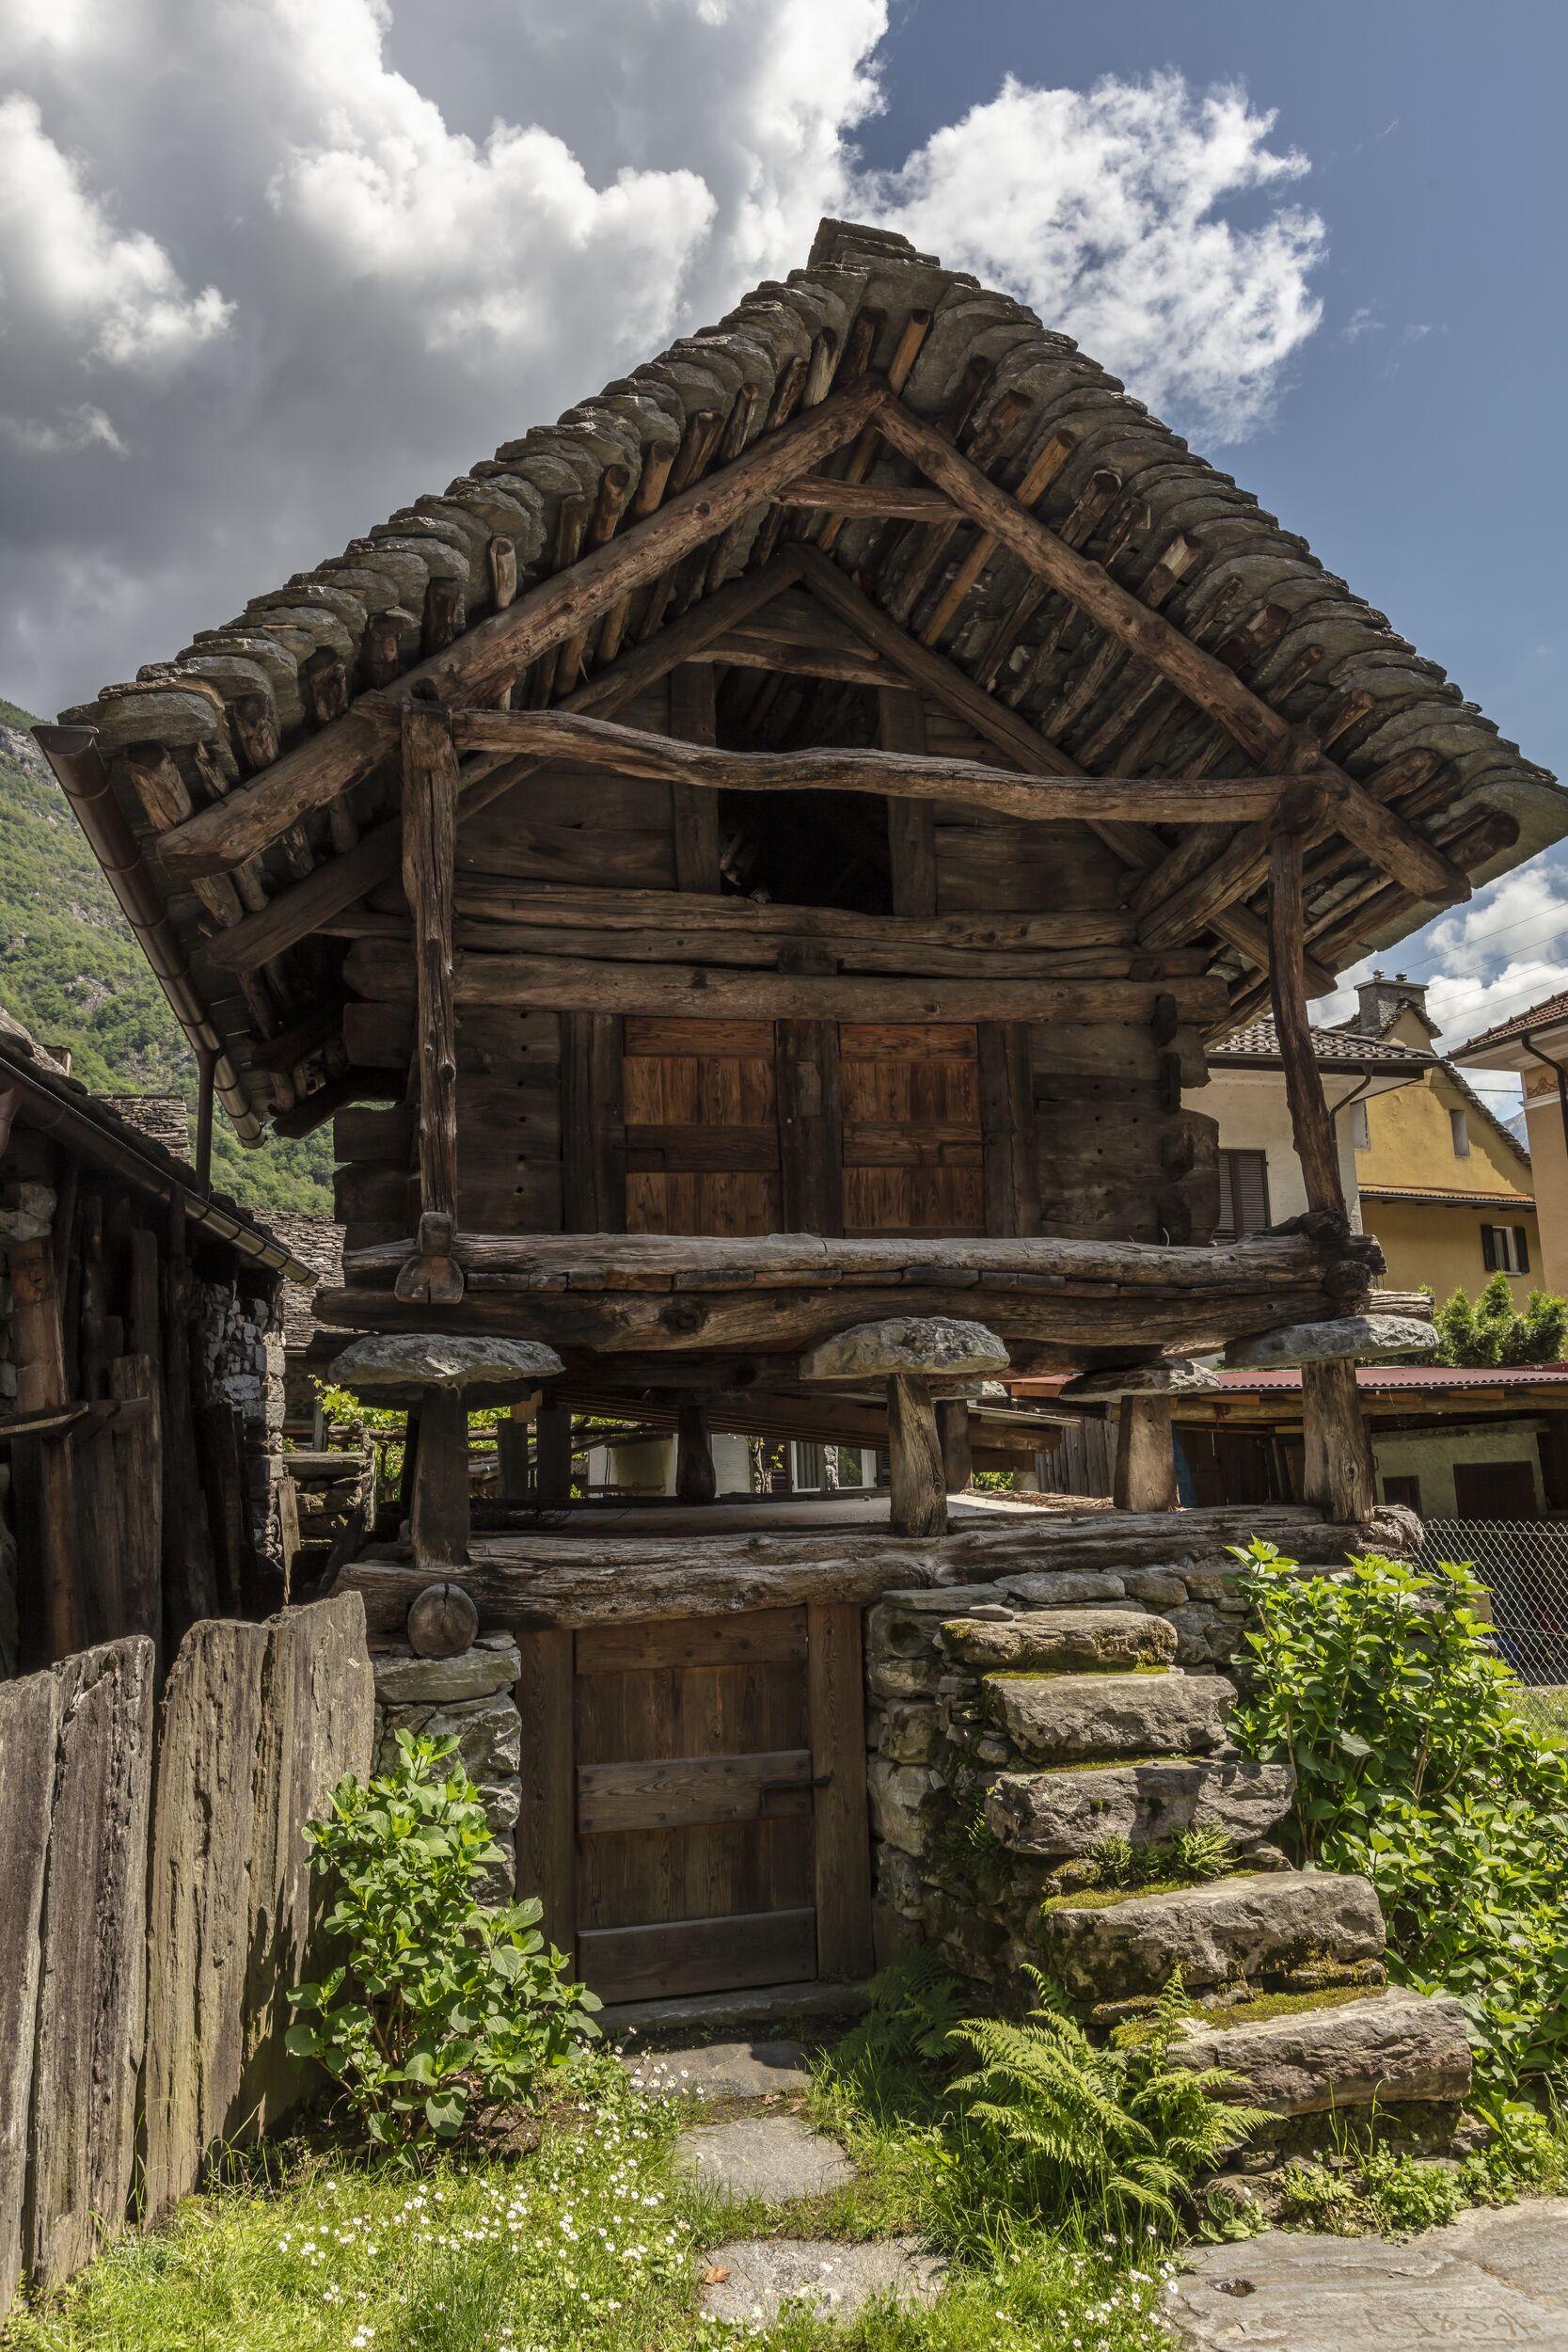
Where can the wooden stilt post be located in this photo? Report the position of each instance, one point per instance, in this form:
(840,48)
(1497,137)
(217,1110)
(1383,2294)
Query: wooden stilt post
(917,1485)
(956,1456)
(1337,1472)
(695,1478)
(433,1277)
(438,1514)
(1145,1476)
(554,1443)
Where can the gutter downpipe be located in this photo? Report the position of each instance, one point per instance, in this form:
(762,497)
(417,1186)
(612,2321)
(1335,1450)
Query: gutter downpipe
(1526,1039)
(78,767)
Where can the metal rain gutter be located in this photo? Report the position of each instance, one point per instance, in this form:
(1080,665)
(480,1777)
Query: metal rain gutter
(78,767)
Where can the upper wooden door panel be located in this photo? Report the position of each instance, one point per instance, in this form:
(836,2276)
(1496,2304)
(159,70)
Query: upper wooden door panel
(913,1146)
(702,1127)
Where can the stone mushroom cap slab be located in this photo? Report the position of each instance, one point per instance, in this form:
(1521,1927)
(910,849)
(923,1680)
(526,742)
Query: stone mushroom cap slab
(1177,1377)
(1362,1339)
(397,1368)
(929,1346)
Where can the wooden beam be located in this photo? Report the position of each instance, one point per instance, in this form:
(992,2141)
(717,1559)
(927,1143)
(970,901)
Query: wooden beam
(429,839)
(1311,1124)
(632,751)
(379,969)
(1267,739)
(695,813)
(855,501)
(496,899)
(917,1482)
(294,914)
(482,663)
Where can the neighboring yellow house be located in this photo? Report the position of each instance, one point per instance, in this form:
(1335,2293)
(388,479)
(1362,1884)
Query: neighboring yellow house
(1535,1045)
(1444,1185)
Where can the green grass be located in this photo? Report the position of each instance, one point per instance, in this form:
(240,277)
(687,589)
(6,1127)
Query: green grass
(73,974)
(585,2244)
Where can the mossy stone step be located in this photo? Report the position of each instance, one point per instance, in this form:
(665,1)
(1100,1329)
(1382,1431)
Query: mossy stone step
(1067,1812)
(1387,2046)
(1061,1641)
(1251,1927)
(1073,1719)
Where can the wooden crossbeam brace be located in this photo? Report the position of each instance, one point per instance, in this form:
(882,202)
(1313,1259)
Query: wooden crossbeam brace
(1267,739)
(481,665)
(900,775)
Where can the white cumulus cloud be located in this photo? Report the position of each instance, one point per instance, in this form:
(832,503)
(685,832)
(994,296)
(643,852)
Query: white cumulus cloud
(329,251)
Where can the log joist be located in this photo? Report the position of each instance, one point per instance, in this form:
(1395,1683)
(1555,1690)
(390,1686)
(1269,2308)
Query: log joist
(381,970)
(554,734)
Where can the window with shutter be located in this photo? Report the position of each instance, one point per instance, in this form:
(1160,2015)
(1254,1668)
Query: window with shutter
(1489,1247)
(1521,1251)
(1244,1195)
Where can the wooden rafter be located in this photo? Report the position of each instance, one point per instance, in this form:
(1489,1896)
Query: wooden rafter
(1136,847)
(480,665)
(1267,739)
(341,881)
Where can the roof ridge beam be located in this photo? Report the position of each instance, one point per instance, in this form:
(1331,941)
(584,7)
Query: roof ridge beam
(479,665)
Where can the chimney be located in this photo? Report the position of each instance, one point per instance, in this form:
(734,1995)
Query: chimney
(1380,1001)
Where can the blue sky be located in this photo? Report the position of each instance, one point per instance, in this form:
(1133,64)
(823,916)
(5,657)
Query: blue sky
(233,334)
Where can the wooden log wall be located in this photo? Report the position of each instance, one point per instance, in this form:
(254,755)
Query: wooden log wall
(154,1908)
(130,1506)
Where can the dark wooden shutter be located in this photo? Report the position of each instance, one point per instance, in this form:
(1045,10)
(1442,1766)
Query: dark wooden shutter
(1489,1247)
(1521,1251)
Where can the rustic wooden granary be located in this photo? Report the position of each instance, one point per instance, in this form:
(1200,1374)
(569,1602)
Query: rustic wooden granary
(764,855)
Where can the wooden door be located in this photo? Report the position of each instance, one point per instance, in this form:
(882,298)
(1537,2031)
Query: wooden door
(913,1143)
(694,1811)
(702,1127)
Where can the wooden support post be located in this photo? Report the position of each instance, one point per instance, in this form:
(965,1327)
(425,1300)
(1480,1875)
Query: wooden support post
(1337,1472)
(910,824)
(428,843)
(842,1840)
(438,1515)
(953,1428)
(512,1451)
(554,1449)
(695,811)
(917,1482)
(53,1603)
(1145,1476)
(695,1478)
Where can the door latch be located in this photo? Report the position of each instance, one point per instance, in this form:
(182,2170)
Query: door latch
(781,1787)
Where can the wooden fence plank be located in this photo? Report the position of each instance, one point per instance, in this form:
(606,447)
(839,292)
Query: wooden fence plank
(29,1720)
(93,1987)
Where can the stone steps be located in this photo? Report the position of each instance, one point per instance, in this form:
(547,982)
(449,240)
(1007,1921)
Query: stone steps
(1052,1712)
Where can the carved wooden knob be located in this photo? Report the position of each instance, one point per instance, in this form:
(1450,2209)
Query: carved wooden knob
(442,1621)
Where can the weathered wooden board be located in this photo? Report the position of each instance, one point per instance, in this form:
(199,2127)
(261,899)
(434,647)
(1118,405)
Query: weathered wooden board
(92,1986)
(317,1722)
(693,1791)
(29,1722)
(842,1843)
(698,1955)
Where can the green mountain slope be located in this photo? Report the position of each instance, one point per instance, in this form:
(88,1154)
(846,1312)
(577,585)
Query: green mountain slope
(71,972)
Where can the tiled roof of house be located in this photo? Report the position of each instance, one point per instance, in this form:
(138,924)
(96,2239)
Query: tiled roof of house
(1545,1015)
(1335,1049)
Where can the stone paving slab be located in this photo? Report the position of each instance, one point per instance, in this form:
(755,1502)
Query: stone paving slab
(721,2070)
(774,2156)
(1489,2280)
(766,2273)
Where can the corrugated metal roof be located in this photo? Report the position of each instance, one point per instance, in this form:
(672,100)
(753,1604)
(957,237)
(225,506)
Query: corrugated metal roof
(1442,1378)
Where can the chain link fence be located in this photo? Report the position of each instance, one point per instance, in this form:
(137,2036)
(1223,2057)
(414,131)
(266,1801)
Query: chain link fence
(1524,1564)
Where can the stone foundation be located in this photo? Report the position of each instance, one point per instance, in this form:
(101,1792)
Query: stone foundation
(1032,1739)
(470,1698)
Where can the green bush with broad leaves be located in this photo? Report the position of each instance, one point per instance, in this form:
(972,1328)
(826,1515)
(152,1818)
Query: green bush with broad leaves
(436,2000)
(1415,1766)
(1115,2131)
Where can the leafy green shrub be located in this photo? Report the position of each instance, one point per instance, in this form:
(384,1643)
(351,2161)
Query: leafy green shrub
(437,1998)
(1415,1766)
(1491,1329)
(1117,2131)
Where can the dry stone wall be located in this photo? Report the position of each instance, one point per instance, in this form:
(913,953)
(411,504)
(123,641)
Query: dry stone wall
(1053,1787)
(469,1698)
